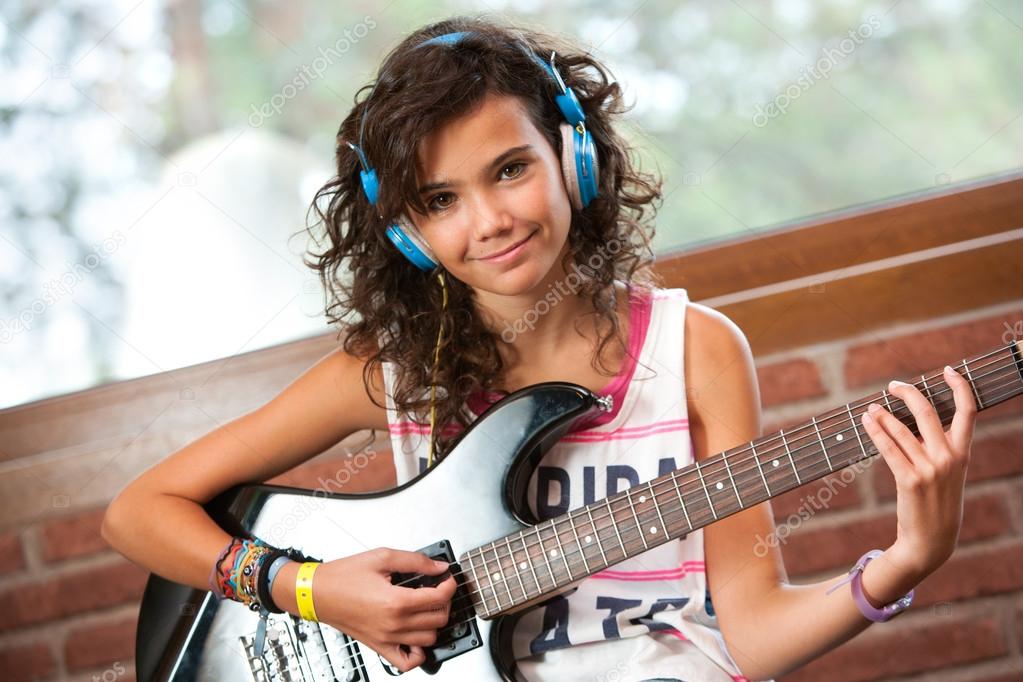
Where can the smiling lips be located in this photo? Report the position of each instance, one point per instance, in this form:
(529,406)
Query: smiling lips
(509,249)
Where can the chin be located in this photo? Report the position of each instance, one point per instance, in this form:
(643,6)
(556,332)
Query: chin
(514,282)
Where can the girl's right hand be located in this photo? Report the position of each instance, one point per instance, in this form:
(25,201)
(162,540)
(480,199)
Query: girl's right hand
(355,595)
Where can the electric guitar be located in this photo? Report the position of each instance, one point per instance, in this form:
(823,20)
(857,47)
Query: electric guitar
(504,560)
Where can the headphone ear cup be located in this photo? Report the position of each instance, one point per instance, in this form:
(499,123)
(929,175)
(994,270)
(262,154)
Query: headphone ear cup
(594,182)
(410,242)
(568,165)
(582,189)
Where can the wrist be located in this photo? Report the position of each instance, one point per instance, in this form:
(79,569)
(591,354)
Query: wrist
(888,578)
(283,589)
(907,562)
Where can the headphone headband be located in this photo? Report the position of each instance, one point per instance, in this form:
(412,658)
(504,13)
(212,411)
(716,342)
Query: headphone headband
(578,150)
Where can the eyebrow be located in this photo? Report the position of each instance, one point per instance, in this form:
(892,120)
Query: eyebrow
(429,187)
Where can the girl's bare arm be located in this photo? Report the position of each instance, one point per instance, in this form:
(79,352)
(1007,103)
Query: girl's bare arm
(157,521)
(770,626)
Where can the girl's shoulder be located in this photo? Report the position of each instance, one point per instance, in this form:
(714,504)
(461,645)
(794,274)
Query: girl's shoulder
(718,362)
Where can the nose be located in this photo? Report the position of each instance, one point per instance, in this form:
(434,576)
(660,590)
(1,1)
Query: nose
(491,217)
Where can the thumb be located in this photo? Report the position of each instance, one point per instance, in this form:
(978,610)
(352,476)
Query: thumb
(413,657)
(413,562)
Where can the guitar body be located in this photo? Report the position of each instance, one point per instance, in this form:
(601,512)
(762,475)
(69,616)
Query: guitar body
(472,496)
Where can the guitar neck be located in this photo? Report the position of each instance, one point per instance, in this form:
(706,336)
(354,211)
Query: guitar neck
(536,562)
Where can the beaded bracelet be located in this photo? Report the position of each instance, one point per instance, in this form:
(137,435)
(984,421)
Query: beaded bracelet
(235,574)
(241,573)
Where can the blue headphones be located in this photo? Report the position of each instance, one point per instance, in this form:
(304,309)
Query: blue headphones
(578,162)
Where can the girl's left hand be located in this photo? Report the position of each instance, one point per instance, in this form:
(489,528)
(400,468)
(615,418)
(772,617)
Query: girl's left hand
(930,473)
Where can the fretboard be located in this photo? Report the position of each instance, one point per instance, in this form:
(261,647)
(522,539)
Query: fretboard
(540,560)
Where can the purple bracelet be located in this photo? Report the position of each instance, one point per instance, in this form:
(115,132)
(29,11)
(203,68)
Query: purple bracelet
(886,612)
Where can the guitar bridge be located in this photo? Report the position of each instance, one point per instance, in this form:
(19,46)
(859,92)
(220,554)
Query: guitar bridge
(297,649)
(460,634)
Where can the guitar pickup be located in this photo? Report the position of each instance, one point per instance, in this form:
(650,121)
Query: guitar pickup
(460,634)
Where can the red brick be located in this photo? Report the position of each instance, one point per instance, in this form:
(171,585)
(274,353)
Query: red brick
(788,381)
(812,550)
(100,645)
(1010,676)
(12,557)
(72,592)
(996,570)
(73,536)
(1019,625)
(28,662)
(826,494)
(889,650)
(902,357)
(991,457)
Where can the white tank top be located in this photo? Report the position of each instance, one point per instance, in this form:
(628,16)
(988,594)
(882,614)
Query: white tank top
(647,617)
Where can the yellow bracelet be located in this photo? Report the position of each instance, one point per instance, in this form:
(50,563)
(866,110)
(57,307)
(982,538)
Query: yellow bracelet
(304,590)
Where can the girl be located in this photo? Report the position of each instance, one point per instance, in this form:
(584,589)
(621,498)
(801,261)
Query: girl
(494,234)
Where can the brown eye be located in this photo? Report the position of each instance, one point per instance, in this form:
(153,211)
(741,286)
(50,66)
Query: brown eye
(432,205)
(518,164)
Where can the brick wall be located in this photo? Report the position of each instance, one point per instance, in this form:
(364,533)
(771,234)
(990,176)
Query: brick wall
(69,603)
(964,624)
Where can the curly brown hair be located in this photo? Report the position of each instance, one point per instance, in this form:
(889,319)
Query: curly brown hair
(389,310)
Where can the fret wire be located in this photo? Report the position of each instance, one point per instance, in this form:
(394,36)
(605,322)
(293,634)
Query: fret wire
(728,469)
(518,575)
(546,557)
(490,577)
(543,551)
(614,525)
(529,559)
(789,453)
(596,536)
(564,558)
(824,448)
(476,579)
(504,572)
(927,391)
(657,508)
(976,391)
(756,458)
(678,491)
(639,527)
(856,430)
(861,443)
(582,550)
(705,491)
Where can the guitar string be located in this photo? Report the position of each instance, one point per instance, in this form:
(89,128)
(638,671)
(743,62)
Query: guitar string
(629,534)
(505,588)
(457,609)
(708,466)
(551,524)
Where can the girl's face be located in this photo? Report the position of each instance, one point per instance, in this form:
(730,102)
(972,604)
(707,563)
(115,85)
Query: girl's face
(492,181)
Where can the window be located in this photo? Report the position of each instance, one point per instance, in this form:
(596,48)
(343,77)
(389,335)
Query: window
(156,162)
